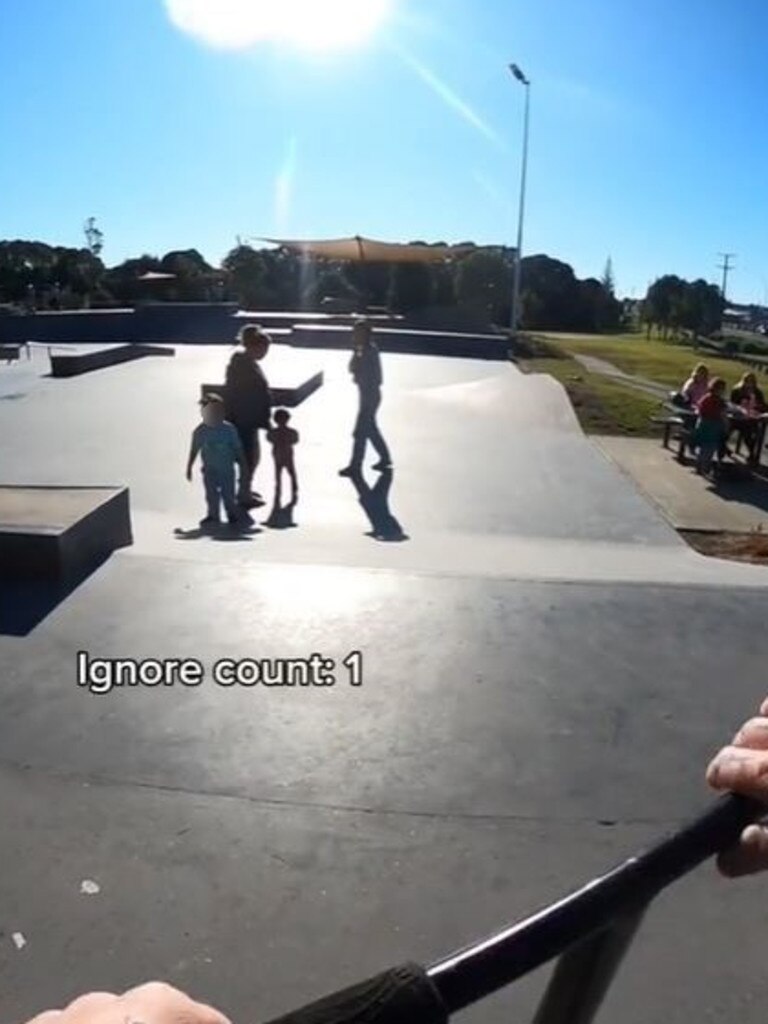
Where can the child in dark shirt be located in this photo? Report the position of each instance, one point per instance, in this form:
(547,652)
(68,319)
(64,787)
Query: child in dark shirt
(283,440)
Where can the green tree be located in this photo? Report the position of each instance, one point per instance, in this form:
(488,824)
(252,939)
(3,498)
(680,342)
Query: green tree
(193,276)
(600,310)
(413,286)
(94,238)
(673,304)
(26,265)
(284,279)
(370,282)
(702,307)
(334,283)
(445,283)
(552,298)
(483,284)
(607,280)
(246,273)
(122,281)
(78,273)
(663,305)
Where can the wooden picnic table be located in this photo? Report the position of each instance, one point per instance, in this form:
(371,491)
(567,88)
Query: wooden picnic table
(736,417)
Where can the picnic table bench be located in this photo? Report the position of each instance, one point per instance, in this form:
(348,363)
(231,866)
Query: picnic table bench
(673,423)
(681,423)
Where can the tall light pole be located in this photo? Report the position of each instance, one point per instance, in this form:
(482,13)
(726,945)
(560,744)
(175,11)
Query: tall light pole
(515,317)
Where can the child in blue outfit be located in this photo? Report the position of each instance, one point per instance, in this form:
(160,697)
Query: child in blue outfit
(219,446)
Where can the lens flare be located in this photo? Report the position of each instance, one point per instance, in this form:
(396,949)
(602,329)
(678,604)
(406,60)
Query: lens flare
(309,24)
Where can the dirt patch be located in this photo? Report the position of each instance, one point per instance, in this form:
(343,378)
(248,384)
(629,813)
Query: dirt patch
(735,547)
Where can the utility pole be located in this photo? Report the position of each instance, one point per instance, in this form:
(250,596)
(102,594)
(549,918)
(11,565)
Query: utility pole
(726,268)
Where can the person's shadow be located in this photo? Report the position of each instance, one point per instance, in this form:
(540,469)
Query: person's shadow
(375,503)
(220,532)
(281,517)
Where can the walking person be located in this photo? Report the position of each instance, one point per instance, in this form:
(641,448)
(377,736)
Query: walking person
(247,401)
(365,367)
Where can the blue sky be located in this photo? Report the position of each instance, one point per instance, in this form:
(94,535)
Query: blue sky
(648,136)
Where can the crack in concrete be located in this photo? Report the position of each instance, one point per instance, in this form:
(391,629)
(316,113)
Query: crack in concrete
(110,782)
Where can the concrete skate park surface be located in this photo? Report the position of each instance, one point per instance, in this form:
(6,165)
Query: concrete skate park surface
(545,671)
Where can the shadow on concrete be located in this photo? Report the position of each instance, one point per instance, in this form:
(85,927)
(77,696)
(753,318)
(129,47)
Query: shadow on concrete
(375,503)
(223,533)
(736,483)
(281,517)
(24,604)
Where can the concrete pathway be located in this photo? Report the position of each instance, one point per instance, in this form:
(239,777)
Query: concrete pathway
(595,365)
(688,501)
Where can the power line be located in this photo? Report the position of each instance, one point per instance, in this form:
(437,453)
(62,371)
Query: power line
(726,268)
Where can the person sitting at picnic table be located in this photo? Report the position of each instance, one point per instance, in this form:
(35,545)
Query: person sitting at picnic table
(711,427)
(749,397)
(695,388)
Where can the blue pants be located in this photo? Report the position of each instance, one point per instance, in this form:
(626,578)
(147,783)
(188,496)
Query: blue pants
(706,456)
(367,429)
(220,489)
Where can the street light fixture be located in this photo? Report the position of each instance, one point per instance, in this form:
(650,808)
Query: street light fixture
(515,316)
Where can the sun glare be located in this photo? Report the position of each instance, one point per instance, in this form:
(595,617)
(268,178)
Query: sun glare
(309,24)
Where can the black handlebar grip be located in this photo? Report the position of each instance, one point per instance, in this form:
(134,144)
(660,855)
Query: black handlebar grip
(401,995)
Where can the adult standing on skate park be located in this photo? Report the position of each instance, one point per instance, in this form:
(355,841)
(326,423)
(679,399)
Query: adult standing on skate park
(247,401)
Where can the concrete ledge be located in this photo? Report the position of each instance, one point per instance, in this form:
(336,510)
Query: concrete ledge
(72,364)
(285,397)
(9,353)
(408,342)
(60,533)
(291,397)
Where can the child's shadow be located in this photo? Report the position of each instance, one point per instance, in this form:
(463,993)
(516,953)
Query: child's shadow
(221,533)
(281,517)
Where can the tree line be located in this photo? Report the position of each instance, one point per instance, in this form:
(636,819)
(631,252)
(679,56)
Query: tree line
(552,297)
(673,305)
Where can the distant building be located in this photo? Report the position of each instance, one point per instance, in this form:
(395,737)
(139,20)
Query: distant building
(735,317)
(746,318)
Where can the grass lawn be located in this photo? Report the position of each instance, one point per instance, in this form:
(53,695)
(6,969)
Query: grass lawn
(601,405)
(660,361)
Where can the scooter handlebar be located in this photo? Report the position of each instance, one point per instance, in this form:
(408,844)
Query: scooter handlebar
(409,994)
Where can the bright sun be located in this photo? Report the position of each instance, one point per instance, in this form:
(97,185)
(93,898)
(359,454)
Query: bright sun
(310,24)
